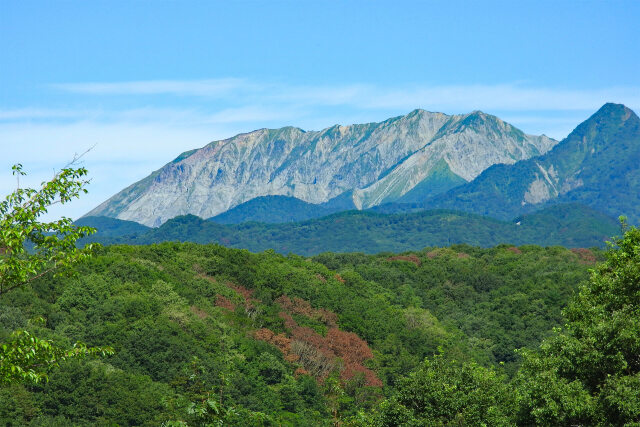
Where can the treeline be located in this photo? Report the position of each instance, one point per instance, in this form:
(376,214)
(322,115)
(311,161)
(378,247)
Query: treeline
(568,225)
(205,333)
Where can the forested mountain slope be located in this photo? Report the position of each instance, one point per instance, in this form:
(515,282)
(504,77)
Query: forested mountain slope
(275,209)
(569,225)
(111,227)
(269,339)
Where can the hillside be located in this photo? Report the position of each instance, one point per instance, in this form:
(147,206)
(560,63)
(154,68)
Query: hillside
(111,227)
(273,209)
(569,225)
(265,336)
(369,164)
(597,165)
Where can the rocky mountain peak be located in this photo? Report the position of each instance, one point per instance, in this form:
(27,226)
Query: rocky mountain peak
(372,163)
(598,165)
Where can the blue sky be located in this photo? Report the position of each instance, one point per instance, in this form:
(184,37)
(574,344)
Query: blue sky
(144,81)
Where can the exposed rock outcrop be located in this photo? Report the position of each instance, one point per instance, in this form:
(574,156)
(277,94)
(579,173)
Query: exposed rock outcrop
(376,162)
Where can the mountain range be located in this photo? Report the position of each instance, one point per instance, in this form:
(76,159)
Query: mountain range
(567,195)
(597,165)
(401,159)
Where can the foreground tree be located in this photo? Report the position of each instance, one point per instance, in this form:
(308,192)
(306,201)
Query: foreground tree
(30,249)
(25,357)
(446,392)
(588,373)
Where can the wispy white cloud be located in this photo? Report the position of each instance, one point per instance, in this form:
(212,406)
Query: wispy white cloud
(36,113)
(209,87)
(325,95)
(445,98)
(505,97)
(166,116)
(263,105)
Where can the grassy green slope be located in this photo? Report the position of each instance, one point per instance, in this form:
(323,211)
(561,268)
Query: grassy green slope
(440,180)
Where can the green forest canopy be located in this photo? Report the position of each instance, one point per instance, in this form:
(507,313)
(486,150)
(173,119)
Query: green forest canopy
(207,332)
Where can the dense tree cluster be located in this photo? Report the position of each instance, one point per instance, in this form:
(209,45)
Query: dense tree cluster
(159,307)
(585,373)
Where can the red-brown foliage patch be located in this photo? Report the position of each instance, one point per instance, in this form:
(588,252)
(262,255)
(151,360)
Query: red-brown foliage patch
(246,293)
(311,337)
(291,358)
(321,278)
(300,371)
(224,302)
(432,254)
(354,351)
(289,323)
(462,255)
(280,341)
(303,308)
(339,278)
(263,334)
(318,355)
(514,250)
(585,255)
(410,258)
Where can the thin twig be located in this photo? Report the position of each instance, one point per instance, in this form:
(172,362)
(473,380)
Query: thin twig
(76,157)
(31,279)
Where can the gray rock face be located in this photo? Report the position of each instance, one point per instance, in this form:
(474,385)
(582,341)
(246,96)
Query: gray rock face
(378,161)
(596,165)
